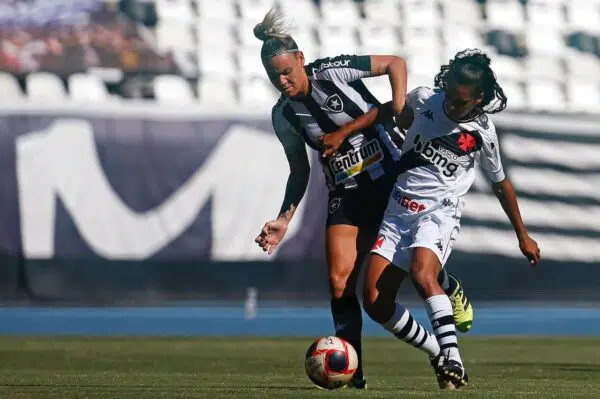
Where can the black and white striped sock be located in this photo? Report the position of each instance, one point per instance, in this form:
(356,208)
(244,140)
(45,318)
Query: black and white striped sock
(404,327)
(439,310)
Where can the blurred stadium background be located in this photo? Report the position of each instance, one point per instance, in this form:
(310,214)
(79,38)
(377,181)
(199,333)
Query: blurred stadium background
(546,52)
(135,137)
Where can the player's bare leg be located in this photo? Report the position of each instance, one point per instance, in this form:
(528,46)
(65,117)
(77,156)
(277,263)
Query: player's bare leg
(382,281)
(342,259)
(424,271)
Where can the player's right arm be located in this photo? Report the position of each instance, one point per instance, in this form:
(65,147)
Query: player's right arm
(295,150)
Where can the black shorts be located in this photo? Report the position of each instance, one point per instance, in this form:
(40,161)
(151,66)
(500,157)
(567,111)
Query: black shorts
(363,207)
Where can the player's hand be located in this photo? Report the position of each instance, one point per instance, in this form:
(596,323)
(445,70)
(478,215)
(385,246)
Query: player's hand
(331,142)
(404,117)
(271,235)
(530,249)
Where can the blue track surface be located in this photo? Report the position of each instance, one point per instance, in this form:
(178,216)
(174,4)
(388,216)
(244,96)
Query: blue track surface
(273,321)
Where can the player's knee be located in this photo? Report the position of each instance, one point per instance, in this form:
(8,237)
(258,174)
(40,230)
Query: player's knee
(376,306)
(369,298)
(341,284)
(425,278)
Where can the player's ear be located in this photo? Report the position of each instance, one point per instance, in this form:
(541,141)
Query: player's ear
(479,98)
(300,57)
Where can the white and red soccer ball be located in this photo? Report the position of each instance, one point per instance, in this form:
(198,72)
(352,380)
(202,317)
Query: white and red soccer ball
(330,362)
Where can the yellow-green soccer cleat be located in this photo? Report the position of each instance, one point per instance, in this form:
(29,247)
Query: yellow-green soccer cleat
(462,310)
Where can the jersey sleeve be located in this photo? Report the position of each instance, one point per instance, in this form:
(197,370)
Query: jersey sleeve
(292,142)
(489,155)
(344,68)
(418,96)
(287,134)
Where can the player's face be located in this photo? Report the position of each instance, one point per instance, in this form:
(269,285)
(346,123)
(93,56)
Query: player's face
(286,72)
(461,99)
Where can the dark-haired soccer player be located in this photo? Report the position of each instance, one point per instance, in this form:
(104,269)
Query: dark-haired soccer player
(450,131)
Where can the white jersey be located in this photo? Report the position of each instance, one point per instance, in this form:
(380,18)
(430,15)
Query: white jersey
(439,155)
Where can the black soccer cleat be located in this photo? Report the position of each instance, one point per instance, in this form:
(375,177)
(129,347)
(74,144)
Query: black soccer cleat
(450,374)
(454,372)
(357,383)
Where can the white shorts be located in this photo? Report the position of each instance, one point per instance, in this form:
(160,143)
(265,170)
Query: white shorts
(399,234)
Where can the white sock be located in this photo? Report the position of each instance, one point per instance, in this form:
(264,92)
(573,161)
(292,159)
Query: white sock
(439,310)
(404,327)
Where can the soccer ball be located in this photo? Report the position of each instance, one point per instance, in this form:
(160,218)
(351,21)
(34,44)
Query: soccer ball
(330,362)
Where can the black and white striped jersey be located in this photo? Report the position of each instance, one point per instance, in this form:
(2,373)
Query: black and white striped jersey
(338,96)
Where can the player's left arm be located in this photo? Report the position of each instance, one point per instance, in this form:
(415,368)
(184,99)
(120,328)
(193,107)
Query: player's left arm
(506,195)
(492,166)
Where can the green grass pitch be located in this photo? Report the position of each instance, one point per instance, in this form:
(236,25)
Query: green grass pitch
(273,368)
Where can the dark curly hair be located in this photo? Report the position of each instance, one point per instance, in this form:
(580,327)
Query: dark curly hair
(472,67)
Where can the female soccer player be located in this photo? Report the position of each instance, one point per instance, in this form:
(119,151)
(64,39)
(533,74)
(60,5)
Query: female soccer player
(449,132)
(319,106)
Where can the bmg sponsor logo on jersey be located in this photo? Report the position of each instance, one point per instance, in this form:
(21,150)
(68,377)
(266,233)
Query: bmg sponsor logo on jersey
(355,161)
(440,157)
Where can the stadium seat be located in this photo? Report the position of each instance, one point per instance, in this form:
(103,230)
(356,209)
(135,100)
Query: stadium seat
(300,12)
(220,62)
(249,62)
(378,38)
(9,87)
(419,37)
(173,89)
(245,34)
(382,12)
(545,13)
(583,15)
(257,93)
(583,95)
(340,12)
(172,35)
(505,42)
(216,91)
(462,13)
(254,10)
(337,39)
(505,15)
(545,95)
(420,12)
(45,86)
(506,67)
(581,65)
(543,67)
(174,11)
(306,39)
(515,93)
(85,87)
(583,41)
(544,41)
(217,33)
(455,40)
(225,10)
(426,62)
